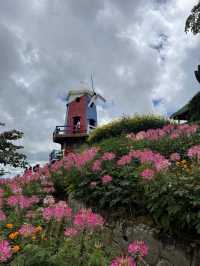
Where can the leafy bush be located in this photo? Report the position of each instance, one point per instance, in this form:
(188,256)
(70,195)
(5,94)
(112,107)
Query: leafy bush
(173,200)
(166,146)
(126,125)
(194,108)
(144,184)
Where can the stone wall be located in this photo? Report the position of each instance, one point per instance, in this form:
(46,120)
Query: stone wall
(162,252)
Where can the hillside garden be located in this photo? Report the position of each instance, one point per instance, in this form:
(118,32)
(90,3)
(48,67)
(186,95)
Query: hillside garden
(64,214)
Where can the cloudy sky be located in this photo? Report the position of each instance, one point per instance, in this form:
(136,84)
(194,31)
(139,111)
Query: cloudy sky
(142,60)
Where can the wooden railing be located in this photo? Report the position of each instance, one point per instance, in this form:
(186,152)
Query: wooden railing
(67,130)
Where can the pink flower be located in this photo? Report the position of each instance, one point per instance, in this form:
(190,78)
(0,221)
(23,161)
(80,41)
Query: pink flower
(140,135)
(58,212)
(87,219)
(147,174)
(70,232)
(126,159)
(26,230)
(1,192)
(49,200)
(5,251)
(194,152)
(175,157)
(22,201)
(48,189)
(106,179)
(123,261)
(93,184)
(131,136)
(96,166)
(108,156)
(48,213)
(138,247)
(15,188)
(30,215)
(2,216)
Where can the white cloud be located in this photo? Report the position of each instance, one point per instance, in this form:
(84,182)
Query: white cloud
(137,49)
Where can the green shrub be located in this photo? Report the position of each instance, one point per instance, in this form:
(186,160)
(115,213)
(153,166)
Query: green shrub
(194,108)
(173,201)
(127,125)
(166,146)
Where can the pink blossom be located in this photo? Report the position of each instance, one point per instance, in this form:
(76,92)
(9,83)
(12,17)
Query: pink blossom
(79,160)
(48,189)
(22,201)
(48,213)
(26,230)
(108,156)
(1,192)
(15,188)
(194,152)
(30,215)
(131,136)
(2,216)
(5,251)
(140,135)
(162,164)
(106,179)
(58,212)
(96,166)
(123,261)
(93,184)
(70,232)
(87,219)
(48,200)
(175,157)
(126,159)
(138,247)
(147,174)
(171,131)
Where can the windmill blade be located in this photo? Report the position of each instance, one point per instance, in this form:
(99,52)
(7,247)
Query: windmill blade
(93,100)
(101,98)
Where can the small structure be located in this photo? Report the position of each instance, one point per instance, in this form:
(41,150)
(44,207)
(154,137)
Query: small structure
(184,112)
(54,156)
(81,118)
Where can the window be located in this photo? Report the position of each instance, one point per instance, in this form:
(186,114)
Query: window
(76,119)
(78,99)
(92,122)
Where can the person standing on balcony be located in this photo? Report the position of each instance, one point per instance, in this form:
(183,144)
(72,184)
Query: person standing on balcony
(78,126)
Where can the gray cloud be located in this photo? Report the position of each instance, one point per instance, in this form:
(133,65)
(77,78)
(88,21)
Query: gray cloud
(137,50)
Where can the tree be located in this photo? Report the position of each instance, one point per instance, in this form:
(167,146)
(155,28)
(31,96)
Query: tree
(9,152)
(193,21)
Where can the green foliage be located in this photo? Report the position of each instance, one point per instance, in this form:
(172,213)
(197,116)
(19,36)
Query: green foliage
(193,21)
(194,108)
(166,146)
(9,152)
(173,200)
(72,251)
(123,195)
(168,200)
(126,125)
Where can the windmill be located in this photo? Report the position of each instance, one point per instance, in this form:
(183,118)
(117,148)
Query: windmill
(95,96)
(80,119)
(197,73)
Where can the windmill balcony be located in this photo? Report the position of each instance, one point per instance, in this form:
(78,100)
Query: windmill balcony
(63,134)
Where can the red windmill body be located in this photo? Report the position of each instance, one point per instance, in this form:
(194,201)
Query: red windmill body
(81,118)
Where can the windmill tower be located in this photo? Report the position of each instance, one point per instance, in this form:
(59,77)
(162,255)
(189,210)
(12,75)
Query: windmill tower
(80,119)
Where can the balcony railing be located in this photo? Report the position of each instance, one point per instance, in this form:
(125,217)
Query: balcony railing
(67,130)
